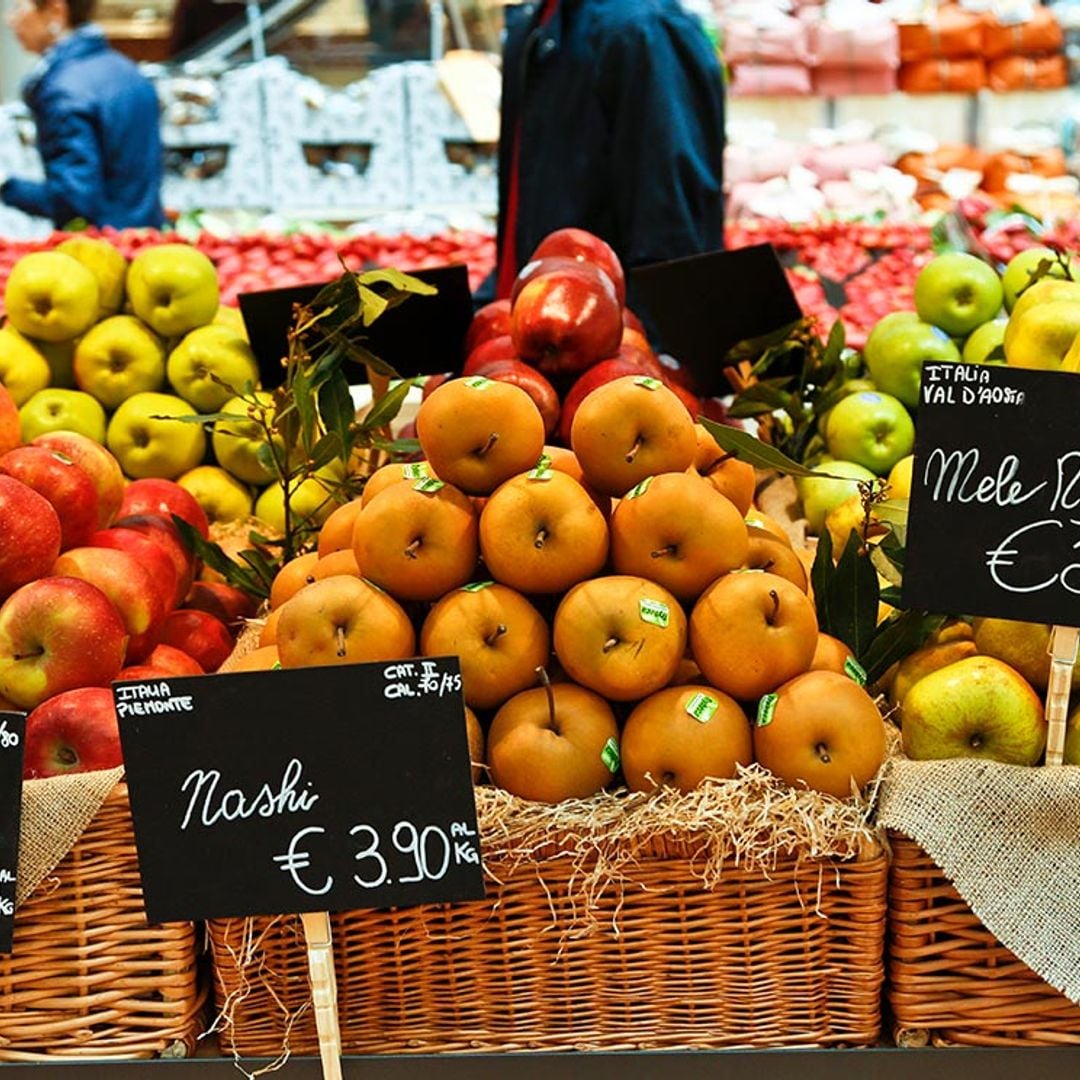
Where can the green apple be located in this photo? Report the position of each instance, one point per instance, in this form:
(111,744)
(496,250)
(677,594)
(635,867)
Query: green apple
(821,493)
(311,503)
(119,357)
(957,292)
(882,327)
(211,365)
(978,707)
(872,429)
(23,369)
(106,264)
(237,443)
(852,386)
(173,288)
(1018,272)
(222,497)
(1041,337)
(897,359)
(147,438)
(51,296)
(983,340)
(57,409)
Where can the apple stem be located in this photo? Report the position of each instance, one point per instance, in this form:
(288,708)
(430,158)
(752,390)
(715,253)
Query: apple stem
(633,451)
(661,552)
(775,607)
(495,634)
(541,536)
(341,650)
(410,551)
(610,644)
(823,753)
(545,681)
(492,439)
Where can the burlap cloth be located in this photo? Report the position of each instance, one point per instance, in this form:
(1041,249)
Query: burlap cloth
(55,813)
(1008,838)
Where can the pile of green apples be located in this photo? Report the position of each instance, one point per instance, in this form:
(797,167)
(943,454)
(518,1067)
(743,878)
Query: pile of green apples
(122,352)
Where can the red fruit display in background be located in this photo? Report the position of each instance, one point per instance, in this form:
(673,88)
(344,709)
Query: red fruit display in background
(29,535)
(224,602)
(597,375)
(584,246)
(500,348)
(163,498)
(566,320)
(532,382)
(170,660)
(205,639)
(150,554)
(75,731)
(536,267)
(691,401)
(57,634)
(166,535)
(490,321)
(56,477)
(102,468)
(10,436)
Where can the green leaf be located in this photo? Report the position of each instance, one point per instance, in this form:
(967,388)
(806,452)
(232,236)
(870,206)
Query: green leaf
(894,512)
(212,556)
(821,575)
(851,600)
(261,565)
(361,354)
(372,305)
(892,547)
(751,348)
(304,400)
(327,449)
(387,407)
(398,280)
(834,347)
(885,566)
(748,448)
(892,597)
(896,638)
(747,410)
(337,409)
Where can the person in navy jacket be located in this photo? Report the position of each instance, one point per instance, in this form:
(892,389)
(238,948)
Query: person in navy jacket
(97,123)
(612,121)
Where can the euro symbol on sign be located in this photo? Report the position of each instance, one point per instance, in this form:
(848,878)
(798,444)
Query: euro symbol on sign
(294,860)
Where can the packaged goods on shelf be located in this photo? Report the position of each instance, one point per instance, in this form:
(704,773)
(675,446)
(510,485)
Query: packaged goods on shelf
(1015,72)
(960,75)
(843,81)
(1037,35)
(770,80)
(947,32)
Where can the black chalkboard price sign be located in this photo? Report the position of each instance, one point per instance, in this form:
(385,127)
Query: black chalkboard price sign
(12,737)
(994,525)
(312,789)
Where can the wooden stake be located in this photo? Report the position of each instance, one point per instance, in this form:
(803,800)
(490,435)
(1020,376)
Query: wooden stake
(323,990)
(1064,641)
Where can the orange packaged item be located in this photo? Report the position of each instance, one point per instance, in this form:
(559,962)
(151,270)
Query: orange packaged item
(931,167)
(1040,34)
(948,32)
(1027,73)
(943,76)
(999,167)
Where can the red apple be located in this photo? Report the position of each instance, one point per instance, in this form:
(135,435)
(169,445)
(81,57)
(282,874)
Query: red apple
(492,320)
(29,535)
(500,348)
(102,468)
(141,671)
(597,375)
(631,320)
(57,634)
(671,371)
(164,533)
(55,476)
(163,498)
(224,602)
(646,361)
(75,731)
(170,660)
(566,320)
(691,401)
(532,382)
(206,639)
(10,436)
(433,382)
(128,584)
(150,555)
(535,267)
(584,246)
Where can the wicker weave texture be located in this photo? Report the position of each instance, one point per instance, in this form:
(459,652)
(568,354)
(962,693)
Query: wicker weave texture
(949,979)
(87,978)
(792,959)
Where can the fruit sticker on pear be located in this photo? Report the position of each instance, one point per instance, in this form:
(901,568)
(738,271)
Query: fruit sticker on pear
(655,612)
(610,756)
(702,707)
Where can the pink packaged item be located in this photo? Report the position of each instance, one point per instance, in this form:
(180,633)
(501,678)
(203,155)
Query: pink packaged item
(874,44)
(751,80)
(751,163)
(850,198)
(840,81)
(837,162)
(780,39)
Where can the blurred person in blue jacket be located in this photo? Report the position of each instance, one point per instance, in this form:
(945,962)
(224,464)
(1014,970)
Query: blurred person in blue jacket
(612,121)
(97,123)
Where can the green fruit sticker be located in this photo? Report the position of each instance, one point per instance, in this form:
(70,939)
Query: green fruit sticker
(765,709)
(542,469)
(477,382)
(477,586)
(276,666)
(655,612)
(639,489)
(855,671)
(648,382)
(702,707)
(428,485)
(610,756)
(415,470)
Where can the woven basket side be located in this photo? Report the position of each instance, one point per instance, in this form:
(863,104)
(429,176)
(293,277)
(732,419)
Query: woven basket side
(949,979)
(87,977)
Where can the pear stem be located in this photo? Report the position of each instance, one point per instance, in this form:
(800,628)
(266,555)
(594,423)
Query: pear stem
(410,551)
(775,606)
(541,536)
(495,634)
(632,453)
(492,439)
(610,644)
(340,635)
(545,681)
(661,552)
(822,752)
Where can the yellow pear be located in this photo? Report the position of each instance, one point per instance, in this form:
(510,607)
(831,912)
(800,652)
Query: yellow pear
(106,264)
(23,369)
(850,516)
(1042,336)
(900,478)
(1022,646)
(922,662)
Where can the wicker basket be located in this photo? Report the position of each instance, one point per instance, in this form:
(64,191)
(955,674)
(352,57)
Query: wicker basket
(87,978)
(950,980)
(791,958)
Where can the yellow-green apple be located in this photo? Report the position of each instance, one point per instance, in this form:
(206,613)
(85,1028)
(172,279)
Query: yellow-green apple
(57,634)
(60,356)
(983,340)
(106,264)
(1024,646)
(1041,337)
(518,373)
(820,494)
(1021,268)
(23,369)
(57,409)
(51,296)
(586,248)
(820,730)
(173,288)
(170,660)
(490,321)
(978,707)
(871,429)
(29,535)
(166,535)
(311,502)
(102,468)
(899,355)
(148,437)
(899,478)
(957,292)
(553,743)
(222,497)
(199,634)
(1042,292)
(128,584)
(163,498)
(117,358)
(72,732)
(210,365)
(10,435)
(150,554)
(55,476)
(882,327)
(240,441)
